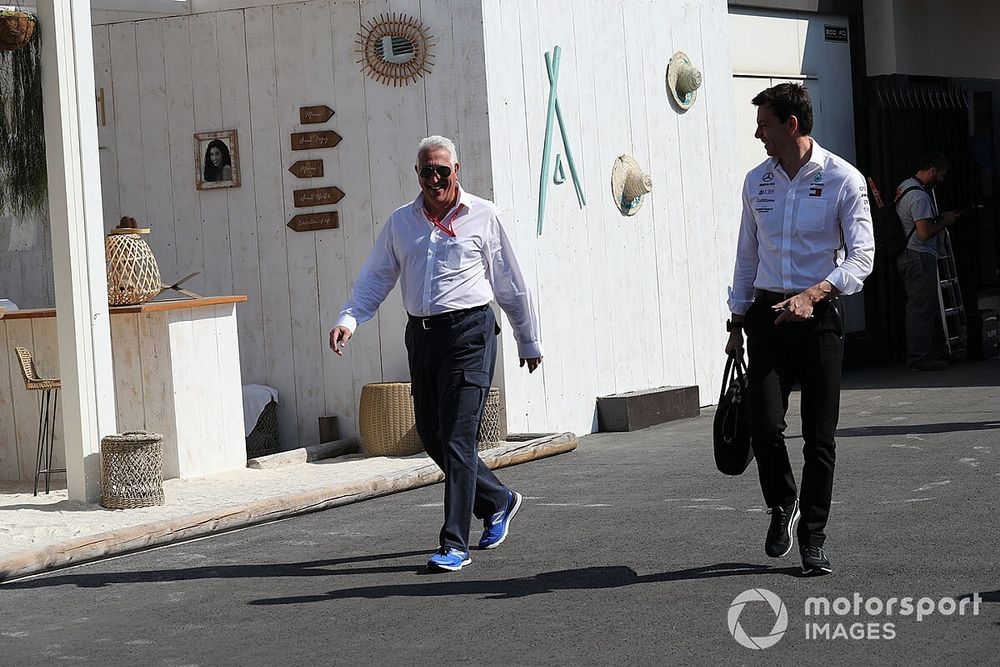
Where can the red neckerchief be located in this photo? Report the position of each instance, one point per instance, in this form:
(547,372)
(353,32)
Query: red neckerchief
(445,225)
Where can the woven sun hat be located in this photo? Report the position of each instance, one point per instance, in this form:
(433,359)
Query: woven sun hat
(628,184)
(129,226)
(683,80)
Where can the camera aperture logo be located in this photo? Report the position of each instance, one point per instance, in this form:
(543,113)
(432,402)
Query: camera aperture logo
(780,618)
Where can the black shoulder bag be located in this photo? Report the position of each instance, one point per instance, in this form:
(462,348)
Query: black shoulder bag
(731,429)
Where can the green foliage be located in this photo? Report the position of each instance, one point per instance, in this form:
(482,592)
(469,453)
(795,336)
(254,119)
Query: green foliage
(23,183)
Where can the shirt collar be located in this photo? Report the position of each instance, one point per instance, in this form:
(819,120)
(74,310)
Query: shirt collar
(818,157)
(418,203)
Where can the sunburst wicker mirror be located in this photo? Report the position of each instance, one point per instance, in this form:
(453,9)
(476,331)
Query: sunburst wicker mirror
(395,49)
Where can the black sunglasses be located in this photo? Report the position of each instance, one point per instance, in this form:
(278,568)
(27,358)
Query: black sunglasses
(441,170)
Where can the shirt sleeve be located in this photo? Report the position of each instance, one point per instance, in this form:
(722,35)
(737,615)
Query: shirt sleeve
(377,278)
(919,205)
(741,292)
(858,235)
(511,293)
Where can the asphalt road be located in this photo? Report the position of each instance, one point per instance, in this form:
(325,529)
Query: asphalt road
(630,550)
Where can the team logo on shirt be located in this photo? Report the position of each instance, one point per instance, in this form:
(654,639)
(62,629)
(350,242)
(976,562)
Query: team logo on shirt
(816,191)
(818,178)
(768,177)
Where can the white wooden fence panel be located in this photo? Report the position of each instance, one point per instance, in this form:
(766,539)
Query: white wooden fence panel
(296,29)
(207,89)
(128,121)
(362,361)
(268,167)
(181,127)
(244,247)
(156,141)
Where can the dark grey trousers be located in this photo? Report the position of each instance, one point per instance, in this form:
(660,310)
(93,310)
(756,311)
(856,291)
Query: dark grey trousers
(924,332)
(451,367)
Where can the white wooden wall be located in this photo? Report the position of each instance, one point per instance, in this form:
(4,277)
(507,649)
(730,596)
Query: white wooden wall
(625,303)
(26,262)
(251,69)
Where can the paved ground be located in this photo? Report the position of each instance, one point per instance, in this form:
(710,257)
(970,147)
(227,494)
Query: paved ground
(629,550)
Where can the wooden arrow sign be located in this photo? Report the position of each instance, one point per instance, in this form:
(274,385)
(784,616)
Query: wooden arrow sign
(307,168)
(317,196)
(311,222)
(302,141)
(317,114)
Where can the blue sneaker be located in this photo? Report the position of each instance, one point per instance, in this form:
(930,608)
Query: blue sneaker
(448,559)
(496,526)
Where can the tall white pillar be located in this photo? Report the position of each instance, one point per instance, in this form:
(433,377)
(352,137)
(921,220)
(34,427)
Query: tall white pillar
(76,216)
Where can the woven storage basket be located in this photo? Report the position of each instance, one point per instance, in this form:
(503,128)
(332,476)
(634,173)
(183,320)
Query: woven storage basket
(131,470)
(386,423)
(16,30)
(133,276)
(492,431)
(263,439)
(387,426)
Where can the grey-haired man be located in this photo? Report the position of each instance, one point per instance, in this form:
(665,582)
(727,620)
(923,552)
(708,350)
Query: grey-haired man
(452,257)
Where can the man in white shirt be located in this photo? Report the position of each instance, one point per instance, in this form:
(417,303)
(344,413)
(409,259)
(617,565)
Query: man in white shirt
(452,257)
(926,348)
(805,237)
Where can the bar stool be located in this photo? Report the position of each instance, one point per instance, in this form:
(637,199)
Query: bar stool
(46,414)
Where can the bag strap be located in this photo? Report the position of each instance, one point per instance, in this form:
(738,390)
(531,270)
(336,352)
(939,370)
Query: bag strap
(735,368)
(895,205)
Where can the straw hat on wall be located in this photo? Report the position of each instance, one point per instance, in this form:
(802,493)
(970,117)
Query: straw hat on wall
(628,184)
(683,80)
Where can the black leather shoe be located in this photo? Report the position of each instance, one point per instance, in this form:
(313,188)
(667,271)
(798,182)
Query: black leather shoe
(779,534)
(814,561)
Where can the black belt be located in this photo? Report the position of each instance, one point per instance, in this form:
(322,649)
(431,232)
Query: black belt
(446,319)
(769,297)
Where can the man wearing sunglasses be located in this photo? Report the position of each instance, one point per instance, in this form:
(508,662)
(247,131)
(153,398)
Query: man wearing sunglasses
(452,257)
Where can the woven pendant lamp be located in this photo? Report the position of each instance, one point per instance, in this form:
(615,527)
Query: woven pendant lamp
(133,276)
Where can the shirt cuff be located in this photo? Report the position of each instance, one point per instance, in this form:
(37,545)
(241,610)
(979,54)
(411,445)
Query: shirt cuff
(529,350)
(346,320)
(844,282)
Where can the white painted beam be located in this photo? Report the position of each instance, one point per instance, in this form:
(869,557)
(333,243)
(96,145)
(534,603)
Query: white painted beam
(76,220)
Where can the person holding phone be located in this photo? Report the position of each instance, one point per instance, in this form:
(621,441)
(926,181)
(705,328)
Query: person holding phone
(926,348)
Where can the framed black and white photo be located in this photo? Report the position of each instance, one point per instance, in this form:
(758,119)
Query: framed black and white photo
(217,160)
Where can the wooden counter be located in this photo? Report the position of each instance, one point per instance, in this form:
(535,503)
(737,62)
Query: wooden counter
(177,372)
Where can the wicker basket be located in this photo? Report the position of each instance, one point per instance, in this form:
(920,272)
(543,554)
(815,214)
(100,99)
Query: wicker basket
(16,29)
(492,430)
(386,423)
(133,276)
(263,439)
(387,426)
(132,470)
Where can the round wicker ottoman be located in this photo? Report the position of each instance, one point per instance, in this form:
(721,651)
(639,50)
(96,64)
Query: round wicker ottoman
(387,426)
(492,430)
(132,470)
(385,420)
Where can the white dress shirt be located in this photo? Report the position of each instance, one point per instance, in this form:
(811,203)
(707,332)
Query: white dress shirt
(439,273)
(797,232)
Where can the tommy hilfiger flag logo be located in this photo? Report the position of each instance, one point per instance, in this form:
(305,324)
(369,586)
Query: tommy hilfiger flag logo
(816,191)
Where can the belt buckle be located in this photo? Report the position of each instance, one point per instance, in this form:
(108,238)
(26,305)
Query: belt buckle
(423,323)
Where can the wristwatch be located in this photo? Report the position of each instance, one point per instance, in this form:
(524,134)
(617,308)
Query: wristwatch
(731,324)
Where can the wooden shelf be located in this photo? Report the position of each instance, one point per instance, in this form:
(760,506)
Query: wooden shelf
(148,307)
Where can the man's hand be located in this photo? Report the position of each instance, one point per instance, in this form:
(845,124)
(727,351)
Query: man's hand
(735,343)
(800,307)
(338,339)
(949,217)
(533,363)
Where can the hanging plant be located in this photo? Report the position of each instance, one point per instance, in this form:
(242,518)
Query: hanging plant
(23,182)
(16,29)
